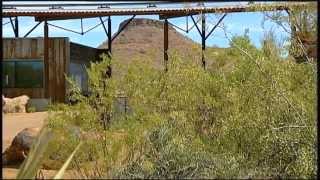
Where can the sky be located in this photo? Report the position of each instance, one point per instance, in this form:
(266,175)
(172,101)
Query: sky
(235,23)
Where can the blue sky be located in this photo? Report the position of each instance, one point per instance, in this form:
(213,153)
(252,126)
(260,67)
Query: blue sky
(236,24)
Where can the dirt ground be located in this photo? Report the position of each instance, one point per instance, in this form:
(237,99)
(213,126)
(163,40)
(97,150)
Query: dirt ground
(12,124)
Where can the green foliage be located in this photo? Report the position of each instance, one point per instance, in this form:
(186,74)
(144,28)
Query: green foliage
(254,119)
(301,25)
(31,109)
(31,164)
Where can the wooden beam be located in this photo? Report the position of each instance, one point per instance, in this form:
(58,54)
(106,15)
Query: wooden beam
(165,44)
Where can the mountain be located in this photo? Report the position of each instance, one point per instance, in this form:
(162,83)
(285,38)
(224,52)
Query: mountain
(143,38)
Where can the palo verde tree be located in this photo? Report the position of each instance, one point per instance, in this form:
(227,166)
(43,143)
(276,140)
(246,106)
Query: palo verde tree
(301,24)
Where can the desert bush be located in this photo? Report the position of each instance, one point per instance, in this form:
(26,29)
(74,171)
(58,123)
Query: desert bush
(256,119)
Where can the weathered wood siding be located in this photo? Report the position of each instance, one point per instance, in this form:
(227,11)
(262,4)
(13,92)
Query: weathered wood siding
(32,48)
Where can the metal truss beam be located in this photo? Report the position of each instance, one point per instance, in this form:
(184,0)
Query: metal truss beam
(122,28)
(34,27)
(220,20)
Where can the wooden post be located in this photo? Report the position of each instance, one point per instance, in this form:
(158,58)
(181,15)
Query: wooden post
(16,27)
(165,44)
(203,37)
(46,59)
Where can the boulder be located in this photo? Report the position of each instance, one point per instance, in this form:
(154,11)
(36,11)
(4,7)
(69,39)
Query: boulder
(14,105)
(20,146)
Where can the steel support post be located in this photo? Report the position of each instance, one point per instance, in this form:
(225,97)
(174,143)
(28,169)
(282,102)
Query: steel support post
(109,36)
(109,68)
(16,27)
(46,59)
(203,38)
(165,44)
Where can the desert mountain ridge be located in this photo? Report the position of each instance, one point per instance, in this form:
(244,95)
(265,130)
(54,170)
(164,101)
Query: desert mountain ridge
(143,38)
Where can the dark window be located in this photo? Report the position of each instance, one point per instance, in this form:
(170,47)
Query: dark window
(8,74)
(23,74)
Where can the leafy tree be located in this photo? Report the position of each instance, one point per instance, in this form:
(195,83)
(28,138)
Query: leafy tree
(301,24)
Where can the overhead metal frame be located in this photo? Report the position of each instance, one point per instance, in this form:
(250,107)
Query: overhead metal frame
(164,13)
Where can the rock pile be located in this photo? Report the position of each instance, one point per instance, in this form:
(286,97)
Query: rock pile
(20,146)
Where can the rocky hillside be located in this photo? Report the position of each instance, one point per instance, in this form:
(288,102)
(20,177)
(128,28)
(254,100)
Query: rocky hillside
(143,38)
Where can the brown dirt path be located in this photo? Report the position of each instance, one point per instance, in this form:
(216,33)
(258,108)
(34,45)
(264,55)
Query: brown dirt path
(13,123)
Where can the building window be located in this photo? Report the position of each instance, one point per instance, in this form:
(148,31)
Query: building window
(8,74)
(22,74)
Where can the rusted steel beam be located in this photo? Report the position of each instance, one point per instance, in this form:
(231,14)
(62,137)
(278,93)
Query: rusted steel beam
(109,50)
(168,16)
(215,26)
(34,27)
(165,44)
(195,24)
(46,59)
(13,28)
(6,23)
(59,27)
(85,13)
(89,4)
(104,27)
(57,18)
(122,28)
(184,30)
(203,38)
(16,25)
(109,36)
(94,27)
(81,27)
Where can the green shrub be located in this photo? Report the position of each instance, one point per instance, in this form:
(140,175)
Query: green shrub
(256,119)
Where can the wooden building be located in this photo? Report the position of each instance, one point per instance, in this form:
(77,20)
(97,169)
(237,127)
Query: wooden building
(24,67)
